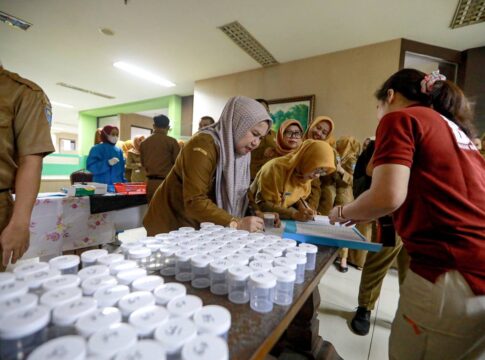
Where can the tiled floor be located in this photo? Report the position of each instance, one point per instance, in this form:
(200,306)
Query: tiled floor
(339,300)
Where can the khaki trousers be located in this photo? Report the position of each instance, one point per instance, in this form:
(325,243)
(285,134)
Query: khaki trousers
(441,321)
(6,208)
(375,269)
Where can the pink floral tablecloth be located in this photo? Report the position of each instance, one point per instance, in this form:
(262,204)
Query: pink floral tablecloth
(65,223)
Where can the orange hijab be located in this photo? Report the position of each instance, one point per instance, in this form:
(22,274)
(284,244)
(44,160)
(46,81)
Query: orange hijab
(330,140)
(281,147)
(136,144)
(348,147)
(279,182)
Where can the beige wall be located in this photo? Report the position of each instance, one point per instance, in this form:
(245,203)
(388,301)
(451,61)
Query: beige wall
(343,84)
(128,120)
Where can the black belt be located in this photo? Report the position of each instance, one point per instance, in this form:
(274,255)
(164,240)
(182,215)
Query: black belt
(4,190)
(154,177)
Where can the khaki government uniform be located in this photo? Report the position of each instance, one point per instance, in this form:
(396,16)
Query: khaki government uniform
(187,196)
(258,159)
(158,154)
(137,172)
(25,114)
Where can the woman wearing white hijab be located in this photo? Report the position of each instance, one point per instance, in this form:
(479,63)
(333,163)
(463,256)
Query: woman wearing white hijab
(211,176)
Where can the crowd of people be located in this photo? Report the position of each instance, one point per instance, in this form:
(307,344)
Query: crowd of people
(417,187)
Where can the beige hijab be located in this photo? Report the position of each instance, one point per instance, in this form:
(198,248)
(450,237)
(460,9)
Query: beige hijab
(233,175)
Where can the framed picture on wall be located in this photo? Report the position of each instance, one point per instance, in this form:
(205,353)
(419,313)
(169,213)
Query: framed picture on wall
(299,108)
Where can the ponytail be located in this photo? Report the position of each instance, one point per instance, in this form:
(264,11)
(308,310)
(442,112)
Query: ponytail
(432,91)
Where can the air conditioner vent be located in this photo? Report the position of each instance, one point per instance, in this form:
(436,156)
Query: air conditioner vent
(468,12)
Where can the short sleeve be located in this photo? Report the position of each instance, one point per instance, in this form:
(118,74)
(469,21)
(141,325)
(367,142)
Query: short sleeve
(396,139)
(32,124)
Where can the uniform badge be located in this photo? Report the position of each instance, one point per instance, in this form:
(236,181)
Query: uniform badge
(48,114)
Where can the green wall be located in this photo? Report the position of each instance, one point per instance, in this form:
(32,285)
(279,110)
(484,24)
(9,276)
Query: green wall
(88,124)
(62,169)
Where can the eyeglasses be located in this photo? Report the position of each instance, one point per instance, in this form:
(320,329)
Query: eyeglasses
(292,134)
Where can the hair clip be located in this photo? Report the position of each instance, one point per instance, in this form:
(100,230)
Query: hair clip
(429,80)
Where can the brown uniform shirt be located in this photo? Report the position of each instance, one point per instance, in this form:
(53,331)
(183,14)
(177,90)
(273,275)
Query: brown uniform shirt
(187,196)
(25,115)
(133,163)
(158,153)
(257,155)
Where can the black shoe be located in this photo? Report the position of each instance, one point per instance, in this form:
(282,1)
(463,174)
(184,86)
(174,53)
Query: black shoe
(360,324)
(343,269)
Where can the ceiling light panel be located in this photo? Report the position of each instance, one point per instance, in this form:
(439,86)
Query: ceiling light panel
(248,43)
(14,21)
(468,12)
(142,73)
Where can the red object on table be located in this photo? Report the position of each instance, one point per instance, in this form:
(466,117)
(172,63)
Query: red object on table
(131,188)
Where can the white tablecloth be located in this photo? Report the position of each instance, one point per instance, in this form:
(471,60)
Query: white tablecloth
(65,223)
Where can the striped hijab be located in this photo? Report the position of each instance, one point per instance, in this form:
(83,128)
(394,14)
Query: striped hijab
(232,175)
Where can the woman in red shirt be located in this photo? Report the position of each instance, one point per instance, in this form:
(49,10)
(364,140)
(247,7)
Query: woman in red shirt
(431,177)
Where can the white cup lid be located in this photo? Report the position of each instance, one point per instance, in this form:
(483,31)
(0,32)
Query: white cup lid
(309,248)
(184,255)
(35,280)
(163,236)
(239,273)
(222,253)
(92,271)
(122,265)
(238,259)
(6,278)
(175,333)
(273,251)
(219,266)
(126,246)
(186,229)
(109,296)
(12,290)
(257,245)
(213,319)
(139,253)
(259,265)
(300,258)
(168,250)
(18,303)
(144,350)
(154,247)
(134,301)
(165,293)
(296,250)
(184,306)
(70,347)
(271,238)
(283,274)
(256,236)
(60,297)
(263,257)
(285,262)
(110,259)
(93,255)
(62,282)
(206,347)
(201,260)
(289,242)
(234,246)
(126,277)
(146,319)
(64,262)
(99,319)
(247,252)
(90,285)
(69,313)
(206,224)
(263,280)
(24,323)
(147,283)
(31,268)
(116,338)
(268,216)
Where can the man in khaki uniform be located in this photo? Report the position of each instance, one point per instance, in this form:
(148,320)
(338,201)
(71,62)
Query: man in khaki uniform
(158,154)
(25,115)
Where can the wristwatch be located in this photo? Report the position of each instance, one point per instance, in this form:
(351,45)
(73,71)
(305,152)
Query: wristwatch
(233,224)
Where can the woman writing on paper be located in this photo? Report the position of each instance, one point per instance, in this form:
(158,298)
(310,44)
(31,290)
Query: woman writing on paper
(211,176)
(283,184)
(431,177)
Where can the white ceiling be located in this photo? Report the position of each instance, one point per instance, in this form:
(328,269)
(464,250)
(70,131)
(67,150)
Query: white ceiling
(179,39)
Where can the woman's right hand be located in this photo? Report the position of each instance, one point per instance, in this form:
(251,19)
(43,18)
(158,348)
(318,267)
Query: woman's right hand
(251,224)
(303,215)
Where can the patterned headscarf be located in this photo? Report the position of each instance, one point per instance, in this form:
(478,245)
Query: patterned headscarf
(232,175)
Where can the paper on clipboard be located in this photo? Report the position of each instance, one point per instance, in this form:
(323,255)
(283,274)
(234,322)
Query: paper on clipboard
(321,232)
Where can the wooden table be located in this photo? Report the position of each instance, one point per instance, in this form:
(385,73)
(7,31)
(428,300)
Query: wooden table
(254,335)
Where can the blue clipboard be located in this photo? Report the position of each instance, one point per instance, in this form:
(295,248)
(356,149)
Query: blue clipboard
(290,233)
